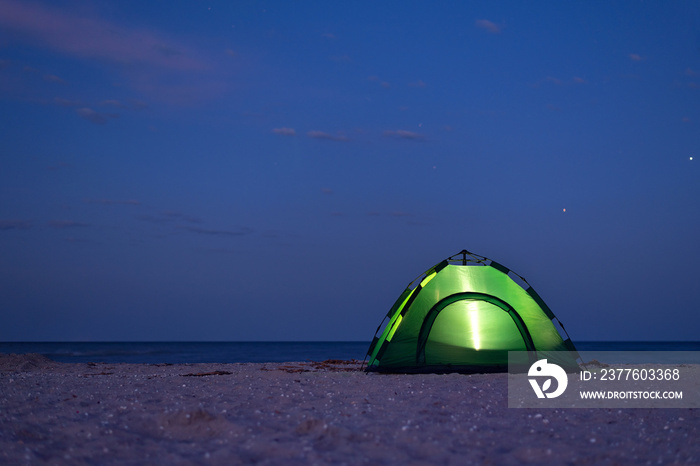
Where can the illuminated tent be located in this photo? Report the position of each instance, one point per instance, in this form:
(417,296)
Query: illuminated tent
(465,314)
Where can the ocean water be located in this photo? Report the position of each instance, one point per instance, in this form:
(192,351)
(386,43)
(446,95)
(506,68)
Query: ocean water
(231,352)
(189,352)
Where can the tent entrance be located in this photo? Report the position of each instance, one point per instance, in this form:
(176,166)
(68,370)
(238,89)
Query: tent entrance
(471,326)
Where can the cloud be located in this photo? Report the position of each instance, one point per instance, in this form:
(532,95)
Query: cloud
(95,117)
(690,72)
(241,231)
(15,225)
(284,131)
(60,224)
(174,215)
(133,104)
(111,103)
(403,134)
(152,219)
(137,104)
(489,26)
(384,84)
(419,83)
(559,82)
(635,57)
(113,201)
(169,216)
(73,239)
(66,103)
(393,214)
(153,63)
(90,37)
(52,78)
(330,137)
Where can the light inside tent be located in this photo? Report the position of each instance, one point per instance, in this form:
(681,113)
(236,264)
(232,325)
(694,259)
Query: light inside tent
(473,311)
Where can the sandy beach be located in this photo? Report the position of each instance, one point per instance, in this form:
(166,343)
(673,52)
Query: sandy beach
(308,413)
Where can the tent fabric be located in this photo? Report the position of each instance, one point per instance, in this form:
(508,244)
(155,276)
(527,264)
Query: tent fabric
(466,313)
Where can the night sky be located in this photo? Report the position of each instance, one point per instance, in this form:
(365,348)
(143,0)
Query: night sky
(188,170)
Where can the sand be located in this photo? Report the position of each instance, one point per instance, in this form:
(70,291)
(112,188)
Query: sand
(308,413)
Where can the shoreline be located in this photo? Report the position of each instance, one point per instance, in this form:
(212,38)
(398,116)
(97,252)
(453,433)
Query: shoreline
(308,413)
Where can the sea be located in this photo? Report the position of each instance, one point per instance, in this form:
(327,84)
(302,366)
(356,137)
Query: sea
(258,352)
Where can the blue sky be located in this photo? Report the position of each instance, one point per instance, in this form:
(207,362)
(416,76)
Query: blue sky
(282,170)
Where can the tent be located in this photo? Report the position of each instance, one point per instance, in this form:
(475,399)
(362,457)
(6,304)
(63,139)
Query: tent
(464,315)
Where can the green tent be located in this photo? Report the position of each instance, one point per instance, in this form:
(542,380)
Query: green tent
(465,314)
